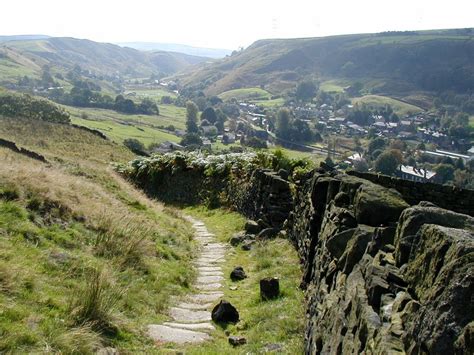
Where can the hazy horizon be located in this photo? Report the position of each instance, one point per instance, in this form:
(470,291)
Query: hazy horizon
(209,24)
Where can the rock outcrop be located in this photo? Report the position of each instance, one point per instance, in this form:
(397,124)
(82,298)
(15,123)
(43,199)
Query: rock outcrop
(382,277)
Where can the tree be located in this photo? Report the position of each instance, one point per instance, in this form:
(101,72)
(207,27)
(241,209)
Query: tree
(148,107)
(375,144)
(210,115)
(255,142)
(386,163)
(134,145)
(306,90)
(361,165)
(191,139)
(191,117)
(444,172)
(221,118)
(283,123)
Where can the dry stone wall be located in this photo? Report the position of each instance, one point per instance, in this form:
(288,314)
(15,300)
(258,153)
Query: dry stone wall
(388,265)
(382,276)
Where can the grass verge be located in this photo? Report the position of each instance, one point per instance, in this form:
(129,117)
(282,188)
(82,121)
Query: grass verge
(265,324)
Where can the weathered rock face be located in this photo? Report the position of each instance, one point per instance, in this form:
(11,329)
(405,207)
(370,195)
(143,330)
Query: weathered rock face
(381,276)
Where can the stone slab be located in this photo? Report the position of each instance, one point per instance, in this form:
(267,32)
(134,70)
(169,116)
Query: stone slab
(193,326)
(165,334)
(183,315)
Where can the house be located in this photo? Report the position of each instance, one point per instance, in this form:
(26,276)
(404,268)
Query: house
(446,154)
(228,138)
(412,173)
(167,147)
(355,157)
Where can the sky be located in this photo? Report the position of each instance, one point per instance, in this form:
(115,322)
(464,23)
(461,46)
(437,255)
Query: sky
(226,24)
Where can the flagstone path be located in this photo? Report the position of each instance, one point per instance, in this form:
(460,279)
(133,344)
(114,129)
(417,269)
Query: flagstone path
(192,316)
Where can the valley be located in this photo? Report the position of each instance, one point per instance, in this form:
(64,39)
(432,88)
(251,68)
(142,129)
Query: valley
(333,175)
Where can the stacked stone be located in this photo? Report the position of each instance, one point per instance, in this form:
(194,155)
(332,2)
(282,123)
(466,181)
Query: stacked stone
(382,277)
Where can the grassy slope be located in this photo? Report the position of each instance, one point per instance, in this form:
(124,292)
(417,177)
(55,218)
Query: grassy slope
(400,108)
(390,59)
(245,94)
(156,94)
(119,126)
(62,224)
(262,323)
(104,58)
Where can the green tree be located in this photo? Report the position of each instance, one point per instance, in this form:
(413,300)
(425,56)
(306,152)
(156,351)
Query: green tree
(191,139)
(306,90)
(191,117)
(210,115)
(134,145)
(386,163)
(444,172)
(283,123)
(376,144)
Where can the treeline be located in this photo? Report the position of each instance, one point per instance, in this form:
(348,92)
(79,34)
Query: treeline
(87,94)
(26,106)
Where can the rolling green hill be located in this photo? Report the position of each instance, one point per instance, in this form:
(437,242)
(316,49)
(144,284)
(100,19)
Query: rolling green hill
(27,57)
(388,63)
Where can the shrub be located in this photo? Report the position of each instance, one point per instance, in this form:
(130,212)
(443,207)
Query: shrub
(14,105)
(134,145)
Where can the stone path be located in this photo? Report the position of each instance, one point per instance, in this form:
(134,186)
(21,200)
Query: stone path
(192,316)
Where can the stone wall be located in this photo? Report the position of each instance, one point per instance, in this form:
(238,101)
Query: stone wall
(23,151)
(449,197)
(259,194)
(263,194)
(382,276)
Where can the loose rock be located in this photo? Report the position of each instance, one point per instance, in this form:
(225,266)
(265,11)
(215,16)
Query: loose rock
(238,274)
(225,312)
(252,227)
(236,239)
(236,341)
(247,245)
(269,288)
(268,233)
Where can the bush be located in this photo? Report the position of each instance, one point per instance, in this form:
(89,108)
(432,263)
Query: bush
(134,145)
(14,105)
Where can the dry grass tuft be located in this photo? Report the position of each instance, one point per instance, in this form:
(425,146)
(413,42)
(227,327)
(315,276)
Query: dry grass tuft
(94,305)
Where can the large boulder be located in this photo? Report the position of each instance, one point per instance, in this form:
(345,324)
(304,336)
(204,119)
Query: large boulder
(440,272)
(375,205)
(413,218)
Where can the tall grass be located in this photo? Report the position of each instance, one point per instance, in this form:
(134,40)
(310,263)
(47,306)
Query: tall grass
(124,240)
(93,306)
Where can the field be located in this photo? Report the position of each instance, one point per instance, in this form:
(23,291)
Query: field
(246,94)
(86,261)
(117,126)
(156,94)
(332,86)
(400,108)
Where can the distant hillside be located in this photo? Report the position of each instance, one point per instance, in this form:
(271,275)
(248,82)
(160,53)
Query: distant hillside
(180,48)
(22,37)
(27,57)
(391,62)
